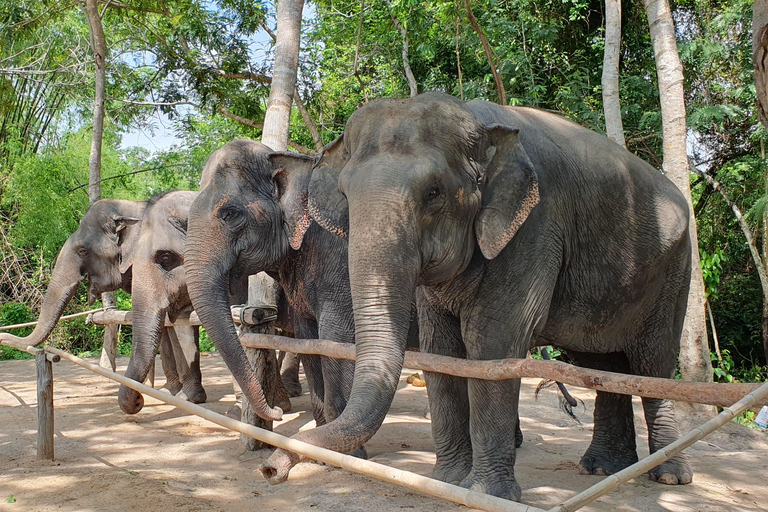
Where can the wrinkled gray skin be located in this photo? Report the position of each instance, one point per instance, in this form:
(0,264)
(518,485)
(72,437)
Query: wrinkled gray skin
(255,211)
(101,250)
(160,289)
(550,235)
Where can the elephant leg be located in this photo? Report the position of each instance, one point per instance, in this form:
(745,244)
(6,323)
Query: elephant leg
(440,333)
(168,360)
(613,446)
(186,345)
(313,370)
(654,354)
(289,372)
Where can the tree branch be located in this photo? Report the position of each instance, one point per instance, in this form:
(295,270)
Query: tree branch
(759,262)
(488,53)
(226,113)
(357,52)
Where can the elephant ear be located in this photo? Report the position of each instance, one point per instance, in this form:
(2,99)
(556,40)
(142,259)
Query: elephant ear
(127,229)
(509,192)
(327,204)
(291,173)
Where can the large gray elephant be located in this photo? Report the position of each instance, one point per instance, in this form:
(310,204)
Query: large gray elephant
(102,251)
(514,228)
(250,217)
(159,290)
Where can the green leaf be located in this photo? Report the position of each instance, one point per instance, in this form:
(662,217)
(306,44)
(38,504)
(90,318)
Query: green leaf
(11,499)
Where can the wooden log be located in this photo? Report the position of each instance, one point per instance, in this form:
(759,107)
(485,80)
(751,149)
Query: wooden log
(44,406)
(423,484)
(612,482)
(249,315)
(65,317)
(721,395)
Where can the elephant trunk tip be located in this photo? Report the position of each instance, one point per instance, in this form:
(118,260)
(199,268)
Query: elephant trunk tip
(277,467)
(131,402)
(273,414)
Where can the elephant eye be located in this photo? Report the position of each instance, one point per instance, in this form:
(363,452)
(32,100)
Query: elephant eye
(231,215)
(82,251)
(168,260)
(433,193)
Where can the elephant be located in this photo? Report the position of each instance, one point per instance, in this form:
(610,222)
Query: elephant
(159,289)
(513,227)
(101,250)
(251,217)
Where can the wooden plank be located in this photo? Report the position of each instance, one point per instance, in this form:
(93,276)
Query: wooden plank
(44,406)
(721,395)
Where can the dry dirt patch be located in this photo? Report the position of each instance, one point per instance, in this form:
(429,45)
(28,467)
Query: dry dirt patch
(162,459)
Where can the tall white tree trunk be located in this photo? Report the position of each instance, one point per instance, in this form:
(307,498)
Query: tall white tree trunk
(278,116)
(99,48)
(610,81)
(694,346)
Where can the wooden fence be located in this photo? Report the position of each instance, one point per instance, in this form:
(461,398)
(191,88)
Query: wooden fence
(742,396)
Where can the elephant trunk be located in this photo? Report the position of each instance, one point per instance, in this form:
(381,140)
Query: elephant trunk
(67,275)
(208,287)
(383,267)
(148,321)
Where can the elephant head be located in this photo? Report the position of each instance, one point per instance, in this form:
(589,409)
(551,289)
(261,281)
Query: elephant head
(418,186)
(252,210)
(159,285)
(100,250)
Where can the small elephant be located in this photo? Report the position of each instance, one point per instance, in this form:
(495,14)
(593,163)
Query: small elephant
(160,289)
(513,228)
(101,250)
(251,217)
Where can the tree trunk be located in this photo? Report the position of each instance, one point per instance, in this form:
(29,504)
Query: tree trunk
(278,116)
(99,47)
(412,85)
(760,56)
(488,53)
(611,105)
(694,346)
(261,291)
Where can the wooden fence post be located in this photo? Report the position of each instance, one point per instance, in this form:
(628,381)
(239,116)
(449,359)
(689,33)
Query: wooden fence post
(109,349)
(44,406)
(261,292)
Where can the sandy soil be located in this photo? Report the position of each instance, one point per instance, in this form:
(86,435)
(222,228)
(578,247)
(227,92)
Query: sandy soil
(162,459)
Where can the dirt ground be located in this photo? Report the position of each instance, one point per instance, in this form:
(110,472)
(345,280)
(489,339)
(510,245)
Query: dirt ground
(163,459)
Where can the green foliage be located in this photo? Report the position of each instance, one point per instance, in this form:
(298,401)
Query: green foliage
(712,268)
(12,313)
(206,345)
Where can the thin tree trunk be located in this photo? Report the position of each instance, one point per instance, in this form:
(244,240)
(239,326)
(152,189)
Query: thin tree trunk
(694,346)
(611,104)
(412,85)
(278,116)
(760,56)
(488,53)
(99,47)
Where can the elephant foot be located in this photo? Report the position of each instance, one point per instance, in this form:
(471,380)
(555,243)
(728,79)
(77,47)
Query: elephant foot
(518,436)
(451,472)
(494,484)
(292,386)
(234,412)
(360,453)
(675,471)
(173,387)
(196,395)
(605,462)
